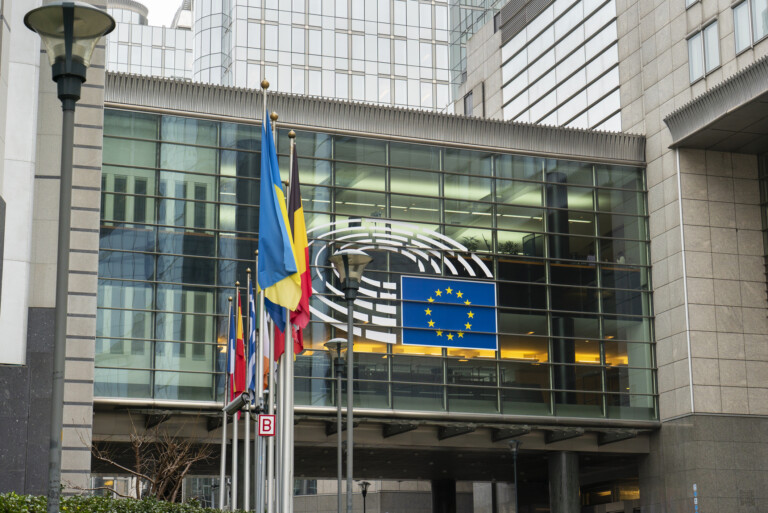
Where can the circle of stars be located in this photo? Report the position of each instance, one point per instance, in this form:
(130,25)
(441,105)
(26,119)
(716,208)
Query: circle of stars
(470,315)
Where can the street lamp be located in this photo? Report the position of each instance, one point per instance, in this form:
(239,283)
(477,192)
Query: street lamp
(69,32)
(514,445)
(335,348)
(364,489)
(350,264)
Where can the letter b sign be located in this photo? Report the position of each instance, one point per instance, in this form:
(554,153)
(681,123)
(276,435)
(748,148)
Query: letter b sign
(266,425)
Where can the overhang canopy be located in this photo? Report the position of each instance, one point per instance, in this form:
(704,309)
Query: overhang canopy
(732,116)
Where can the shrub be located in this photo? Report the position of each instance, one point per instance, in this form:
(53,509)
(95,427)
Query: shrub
(13,503)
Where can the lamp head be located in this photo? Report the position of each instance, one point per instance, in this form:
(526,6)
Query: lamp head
(69,29)
(350,264)
(364,487)
(514,445)
(336,347)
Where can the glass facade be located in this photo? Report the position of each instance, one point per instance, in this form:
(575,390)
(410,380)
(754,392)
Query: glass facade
(387,52)
(562,69)
(565,242)
(467,17)
(135,47)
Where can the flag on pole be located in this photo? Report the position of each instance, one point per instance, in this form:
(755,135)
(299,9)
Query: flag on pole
(264,334)
(300,315)
(239,374)
(278,274)
(231,351)
(251,374)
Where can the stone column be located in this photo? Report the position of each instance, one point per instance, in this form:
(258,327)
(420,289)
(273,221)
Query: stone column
(564,482)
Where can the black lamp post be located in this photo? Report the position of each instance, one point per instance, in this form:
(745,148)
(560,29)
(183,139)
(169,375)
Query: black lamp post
(514,446)
(364,490)
(69,32)
(350,265)
(335,348)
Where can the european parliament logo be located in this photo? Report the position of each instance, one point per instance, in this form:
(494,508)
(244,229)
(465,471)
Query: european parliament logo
(448,313)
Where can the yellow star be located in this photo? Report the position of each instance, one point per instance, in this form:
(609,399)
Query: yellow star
(431,300)
(449,290)
(450,336)
(468,326)
(439,333)
(471,314)
(461,334)
(459,294)
(438,292)
(431,324)
(428,311)
(467,302)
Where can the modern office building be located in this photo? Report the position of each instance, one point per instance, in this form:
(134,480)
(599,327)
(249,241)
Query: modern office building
(136,47)
(389,53)
(624,343)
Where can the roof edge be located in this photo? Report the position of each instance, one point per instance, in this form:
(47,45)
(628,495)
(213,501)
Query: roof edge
(701,112)
(372,120)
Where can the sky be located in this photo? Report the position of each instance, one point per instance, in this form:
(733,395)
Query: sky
(161,11)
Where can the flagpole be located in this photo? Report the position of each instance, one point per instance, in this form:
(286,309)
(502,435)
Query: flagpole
(247,441)
(271,409)
(235,422)
(270,478)
(279,388)
(258,474)
(288,385)
(223,469)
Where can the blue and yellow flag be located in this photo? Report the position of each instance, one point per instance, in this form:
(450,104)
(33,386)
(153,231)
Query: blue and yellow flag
(278,273)
(448,313)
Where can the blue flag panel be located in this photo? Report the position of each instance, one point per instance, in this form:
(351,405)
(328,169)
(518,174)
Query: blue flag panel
(444,312)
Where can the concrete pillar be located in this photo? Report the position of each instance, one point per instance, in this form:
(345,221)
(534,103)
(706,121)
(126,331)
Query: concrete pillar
(564,482)
(443,496)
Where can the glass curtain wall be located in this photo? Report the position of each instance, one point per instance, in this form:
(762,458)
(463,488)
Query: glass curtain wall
(565,242)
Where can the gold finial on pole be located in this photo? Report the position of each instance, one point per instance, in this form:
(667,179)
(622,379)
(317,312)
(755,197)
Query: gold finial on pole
(248,270)
(230,299)
(265,84)
(291,134)
(237,284)
(273,116)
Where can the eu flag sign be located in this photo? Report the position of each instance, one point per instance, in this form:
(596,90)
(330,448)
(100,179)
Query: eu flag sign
(448,313)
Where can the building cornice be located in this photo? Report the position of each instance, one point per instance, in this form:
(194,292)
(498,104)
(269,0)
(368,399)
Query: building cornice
(366,120)
(713,120)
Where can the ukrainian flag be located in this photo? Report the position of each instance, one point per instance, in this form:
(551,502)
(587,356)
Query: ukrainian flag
(278,273)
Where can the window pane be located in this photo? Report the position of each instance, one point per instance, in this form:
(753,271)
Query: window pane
(741,27)
(760,18)
(695,58)
(711,47)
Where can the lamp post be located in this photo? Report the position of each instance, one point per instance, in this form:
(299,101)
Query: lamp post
(364,490)
(514,446)
(335,348)
(69,32)
(350,264)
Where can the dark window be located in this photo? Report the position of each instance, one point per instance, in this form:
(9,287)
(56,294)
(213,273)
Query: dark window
(468,104)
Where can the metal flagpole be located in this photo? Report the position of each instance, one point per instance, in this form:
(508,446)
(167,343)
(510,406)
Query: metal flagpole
(235,419)
(270,477)
(278,391)
(223,469)
(247,440)
(271,410)
(259,445)
(288,388)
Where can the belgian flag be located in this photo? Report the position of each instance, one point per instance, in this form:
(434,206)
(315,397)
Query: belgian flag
(300,315)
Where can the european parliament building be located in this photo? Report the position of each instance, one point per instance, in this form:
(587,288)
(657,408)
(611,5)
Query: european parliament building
(610,287)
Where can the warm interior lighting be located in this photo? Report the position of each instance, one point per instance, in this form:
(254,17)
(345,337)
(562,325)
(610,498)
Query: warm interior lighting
(530,333)
(609,337)
(463,360)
